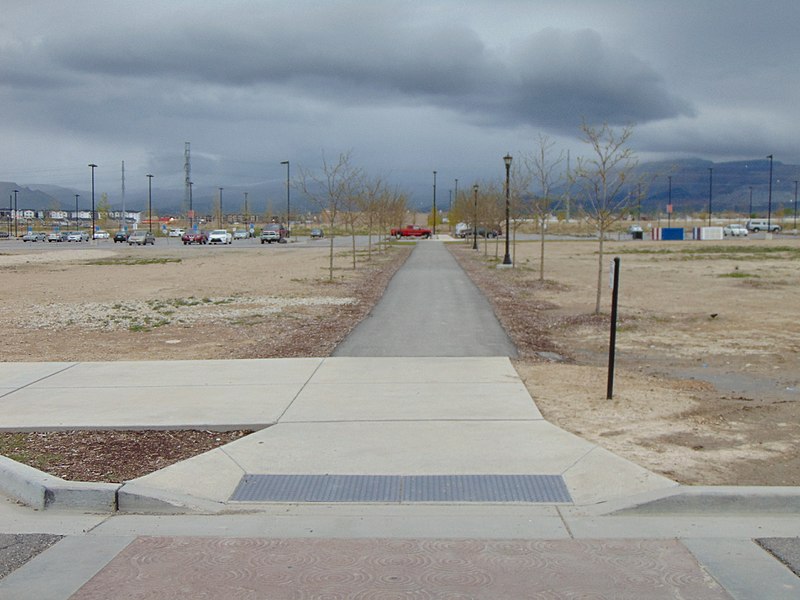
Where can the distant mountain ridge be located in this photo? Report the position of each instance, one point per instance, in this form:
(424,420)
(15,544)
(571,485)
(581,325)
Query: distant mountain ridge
(732,186)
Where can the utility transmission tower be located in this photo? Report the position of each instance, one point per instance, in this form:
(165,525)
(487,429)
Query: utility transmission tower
(187,175)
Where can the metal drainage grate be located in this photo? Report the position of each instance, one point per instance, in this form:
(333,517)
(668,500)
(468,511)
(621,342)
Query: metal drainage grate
(402,488)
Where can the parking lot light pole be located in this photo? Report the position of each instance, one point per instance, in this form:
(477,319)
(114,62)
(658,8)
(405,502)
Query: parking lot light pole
(475,222)
(76,211)
(710,176)
(507,159)
(769,197)
(191,211)
(93,167)
(150,202)
(16,214)
(220,208)
(795,206)
(288,197)
(434,204)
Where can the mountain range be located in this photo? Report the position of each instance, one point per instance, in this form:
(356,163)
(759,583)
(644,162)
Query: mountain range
(735,186)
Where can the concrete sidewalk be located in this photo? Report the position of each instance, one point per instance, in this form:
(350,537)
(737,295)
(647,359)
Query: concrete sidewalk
(622,532)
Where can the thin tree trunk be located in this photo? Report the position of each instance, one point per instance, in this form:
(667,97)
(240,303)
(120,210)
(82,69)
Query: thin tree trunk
(599,271)
(541,253)
(330,267)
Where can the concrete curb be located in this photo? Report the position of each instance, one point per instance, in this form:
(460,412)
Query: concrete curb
(718,500)
(42,491)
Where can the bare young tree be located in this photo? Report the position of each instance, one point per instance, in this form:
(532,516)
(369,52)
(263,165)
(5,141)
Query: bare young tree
(545,170)
(329,190)
(602,181)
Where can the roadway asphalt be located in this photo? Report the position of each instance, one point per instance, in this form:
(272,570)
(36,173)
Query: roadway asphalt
(353,424)
(430,308)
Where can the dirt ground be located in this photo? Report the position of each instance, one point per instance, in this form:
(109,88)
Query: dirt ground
(198,302)
(707,384)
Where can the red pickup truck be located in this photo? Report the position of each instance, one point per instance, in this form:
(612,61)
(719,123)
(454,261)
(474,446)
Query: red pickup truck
(411,231)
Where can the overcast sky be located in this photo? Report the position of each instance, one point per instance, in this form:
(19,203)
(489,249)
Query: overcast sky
(408,87)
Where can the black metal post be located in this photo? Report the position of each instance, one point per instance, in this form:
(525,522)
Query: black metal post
(76,211)
(750,214)
(795,206)
(475,223)
(507,159)
(93,167)
(613,341)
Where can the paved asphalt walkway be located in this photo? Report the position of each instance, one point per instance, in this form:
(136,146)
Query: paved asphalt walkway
(430,308)
(334,433)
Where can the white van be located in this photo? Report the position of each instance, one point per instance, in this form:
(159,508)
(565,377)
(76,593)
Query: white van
(757,225)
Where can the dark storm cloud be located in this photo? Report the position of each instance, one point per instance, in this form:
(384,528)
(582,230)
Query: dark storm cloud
(552,79)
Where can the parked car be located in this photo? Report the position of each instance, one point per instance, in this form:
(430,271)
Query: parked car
(757,225)
(411,231)
(273,232)
(57,236)
(176,232)
(34,236)
(734,230)
(635,229)
(220,236)
(240,234)
(317,233)
(141,237)
(77,236)
(462,230)
(194,237)
(4,234)
(120,236)
(101,235)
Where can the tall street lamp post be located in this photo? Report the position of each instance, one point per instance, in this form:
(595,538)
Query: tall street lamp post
(507,159)
(475,222)
(434,204)
(288,187)
(455,195)
(16,214)
(191,210)
(220,208)
(769,197)
(150,202)
(93,167)
(750,214)
(76,210)
(710,175)
(669,202)
(795,206)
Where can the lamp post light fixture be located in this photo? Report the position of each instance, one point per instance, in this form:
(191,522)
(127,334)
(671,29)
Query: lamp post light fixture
(475,222)
(669,202)
(150,202)
(16,214)
(76,211)
(434,204)
(288,196)
(507,159)
(769,197)
(191,210)
(92,166)
(710,175)
(220,208)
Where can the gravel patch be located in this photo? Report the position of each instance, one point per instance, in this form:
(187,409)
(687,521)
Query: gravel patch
(139,314)
(17,549)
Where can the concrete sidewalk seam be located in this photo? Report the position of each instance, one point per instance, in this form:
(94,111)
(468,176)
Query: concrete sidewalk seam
(300,391)
(30,383)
